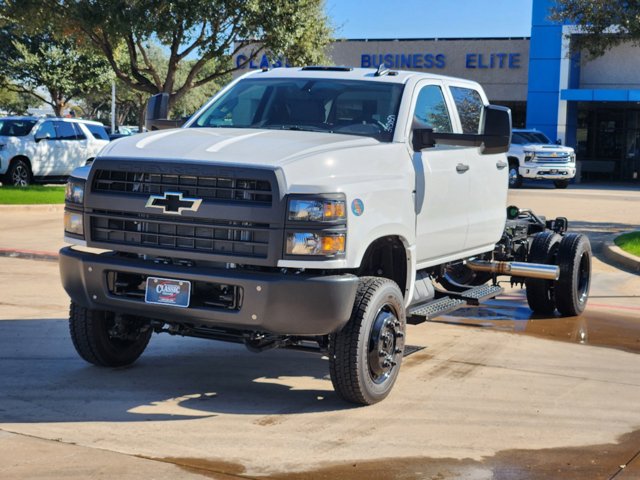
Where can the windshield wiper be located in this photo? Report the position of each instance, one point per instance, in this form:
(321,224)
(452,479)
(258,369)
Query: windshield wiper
(302,128)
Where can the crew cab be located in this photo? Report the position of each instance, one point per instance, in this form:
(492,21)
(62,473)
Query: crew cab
(315,207)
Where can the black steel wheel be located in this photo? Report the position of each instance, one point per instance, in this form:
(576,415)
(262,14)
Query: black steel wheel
(561,183)
(515,179)
(572,288)
(365,356)
(541,294)
(19,174)
(104,339)
(457,277)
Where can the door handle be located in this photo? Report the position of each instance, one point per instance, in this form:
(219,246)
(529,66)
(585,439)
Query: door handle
(461,168)
(500,165)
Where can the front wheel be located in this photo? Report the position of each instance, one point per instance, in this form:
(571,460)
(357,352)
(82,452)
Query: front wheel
(561,183)
(515,179)
(107,340)
(19,174)
(365,356)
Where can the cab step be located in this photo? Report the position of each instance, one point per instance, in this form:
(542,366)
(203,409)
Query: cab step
(479,294)
(433,309)
(451,301)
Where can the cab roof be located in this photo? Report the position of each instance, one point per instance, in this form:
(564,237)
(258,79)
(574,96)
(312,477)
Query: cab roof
(351,73)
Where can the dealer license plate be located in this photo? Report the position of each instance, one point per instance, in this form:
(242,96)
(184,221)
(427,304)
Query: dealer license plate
(167,291)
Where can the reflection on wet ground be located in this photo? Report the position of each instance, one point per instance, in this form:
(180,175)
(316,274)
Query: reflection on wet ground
(599,327)
(605,461)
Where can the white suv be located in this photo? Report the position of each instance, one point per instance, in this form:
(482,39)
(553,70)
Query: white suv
(38,149)
(532,155)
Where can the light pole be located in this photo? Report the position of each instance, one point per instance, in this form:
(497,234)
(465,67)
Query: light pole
(113,107)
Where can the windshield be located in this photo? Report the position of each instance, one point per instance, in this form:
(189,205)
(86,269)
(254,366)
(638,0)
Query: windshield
(16,128)
(319,105)
(523,138)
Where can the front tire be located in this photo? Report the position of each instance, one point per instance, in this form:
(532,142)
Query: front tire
(104,340)
(515,179)
(541,294)
(19,174)
(572,288)
(365,356)
(561,183)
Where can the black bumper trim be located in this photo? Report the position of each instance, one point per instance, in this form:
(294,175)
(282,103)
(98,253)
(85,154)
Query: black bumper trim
(284,304)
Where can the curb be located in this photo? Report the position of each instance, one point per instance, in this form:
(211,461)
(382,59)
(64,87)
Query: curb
(616,254)
(29,254)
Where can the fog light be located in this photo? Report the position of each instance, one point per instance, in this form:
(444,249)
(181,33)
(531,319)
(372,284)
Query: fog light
(308,243)
(73,223)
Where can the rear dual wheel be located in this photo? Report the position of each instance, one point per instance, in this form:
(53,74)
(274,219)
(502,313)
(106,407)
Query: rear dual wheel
(568,294)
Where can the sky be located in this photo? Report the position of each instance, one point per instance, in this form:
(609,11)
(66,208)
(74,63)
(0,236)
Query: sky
(430,18)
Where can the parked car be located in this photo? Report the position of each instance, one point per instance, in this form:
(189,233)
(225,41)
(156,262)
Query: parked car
(36,149)
(532,155)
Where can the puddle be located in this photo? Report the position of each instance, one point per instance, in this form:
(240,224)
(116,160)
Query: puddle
(594,327)
(571,463)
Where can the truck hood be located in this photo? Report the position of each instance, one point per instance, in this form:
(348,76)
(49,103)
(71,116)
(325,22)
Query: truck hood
(548,148)
(252,147)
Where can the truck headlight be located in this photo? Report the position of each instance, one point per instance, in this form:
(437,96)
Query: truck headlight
(74,191)
(316,210)
(529,156)
(73,223)
(315,243)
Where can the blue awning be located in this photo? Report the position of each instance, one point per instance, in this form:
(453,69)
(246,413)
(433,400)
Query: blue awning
(599,95)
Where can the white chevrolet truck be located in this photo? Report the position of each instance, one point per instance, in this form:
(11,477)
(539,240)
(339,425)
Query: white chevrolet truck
(533,156)
(318,208)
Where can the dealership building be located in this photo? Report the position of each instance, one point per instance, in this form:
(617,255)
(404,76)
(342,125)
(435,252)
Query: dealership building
(592,105)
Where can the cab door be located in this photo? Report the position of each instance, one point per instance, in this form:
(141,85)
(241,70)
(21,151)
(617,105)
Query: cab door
(441,187)
(487,174)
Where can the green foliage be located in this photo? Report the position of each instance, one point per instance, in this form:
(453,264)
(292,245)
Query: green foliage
(31,195)
(629,242)
(201,36)
(35,61)
(603,24)
(12,102)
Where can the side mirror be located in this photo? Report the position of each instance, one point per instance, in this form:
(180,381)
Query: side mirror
(157,113)
(38,137)
(495,137)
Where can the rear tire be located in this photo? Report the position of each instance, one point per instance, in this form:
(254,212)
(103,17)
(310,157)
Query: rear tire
(18,174)
(92,336)
(572,288)
(365,356)
(541,294)
(561,183)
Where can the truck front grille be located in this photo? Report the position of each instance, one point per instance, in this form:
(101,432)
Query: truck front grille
(549,158)
(233,238)
(214,188)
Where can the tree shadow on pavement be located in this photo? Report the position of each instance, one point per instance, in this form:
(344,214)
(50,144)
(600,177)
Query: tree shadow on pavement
(44,380)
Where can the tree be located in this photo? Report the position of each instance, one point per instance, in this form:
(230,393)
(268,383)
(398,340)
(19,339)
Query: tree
(205,34)
(603,24)
(12,102)
(34,62)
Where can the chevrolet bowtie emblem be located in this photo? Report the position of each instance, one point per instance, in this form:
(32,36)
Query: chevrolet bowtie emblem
(174,203)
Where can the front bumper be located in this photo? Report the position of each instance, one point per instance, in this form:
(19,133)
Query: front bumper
(548,171)
(279,303)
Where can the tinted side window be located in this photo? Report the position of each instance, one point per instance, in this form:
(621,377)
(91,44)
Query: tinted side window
(431,109)
(79,132)
(97,131)
(469,104)
(46,130)
(65,131)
